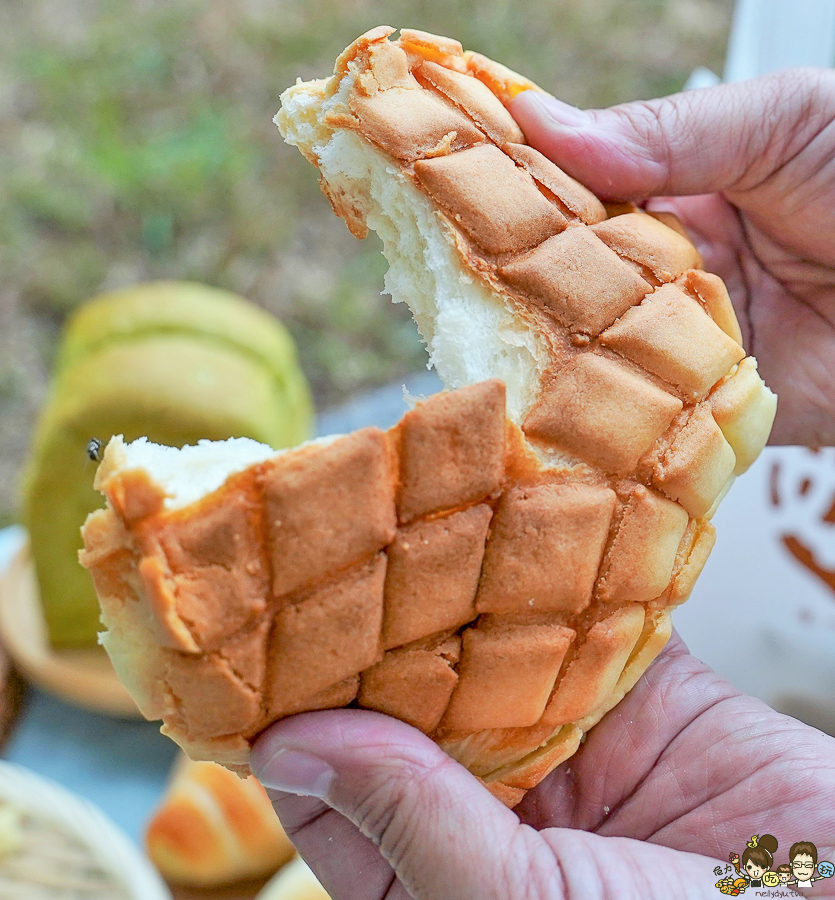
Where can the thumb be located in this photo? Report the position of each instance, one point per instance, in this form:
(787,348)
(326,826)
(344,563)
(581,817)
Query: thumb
(442,832)
(727,138)
(432,821)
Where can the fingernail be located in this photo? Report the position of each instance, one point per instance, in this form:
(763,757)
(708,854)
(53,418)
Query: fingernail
(295,772)
(563,113)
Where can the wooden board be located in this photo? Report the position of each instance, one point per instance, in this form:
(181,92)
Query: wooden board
(83,677)
(12,693)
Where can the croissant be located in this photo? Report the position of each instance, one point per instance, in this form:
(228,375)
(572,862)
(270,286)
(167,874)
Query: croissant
(214,828)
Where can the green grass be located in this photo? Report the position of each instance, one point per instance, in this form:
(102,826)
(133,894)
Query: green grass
(136,142)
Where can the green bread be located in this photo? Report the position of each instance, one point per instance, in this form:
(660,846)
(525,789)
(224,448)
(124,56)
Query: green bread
(175,362)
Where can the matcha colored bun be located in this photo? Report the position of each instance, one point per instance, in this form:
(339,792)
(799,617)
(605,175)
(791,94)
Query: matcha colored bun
(175,361)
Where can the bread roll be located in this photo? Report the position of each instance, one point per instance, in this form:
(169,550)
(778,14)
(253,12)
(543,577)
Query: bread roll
(173,361)
(213,828)
(498,569)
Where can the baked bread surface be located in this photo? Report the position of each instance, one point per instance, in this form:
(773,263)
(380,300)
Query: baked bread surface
(498,569)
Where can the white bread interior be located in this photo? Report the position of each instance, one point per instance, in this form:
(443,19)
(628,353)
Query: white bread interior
(190,472)
(471,334)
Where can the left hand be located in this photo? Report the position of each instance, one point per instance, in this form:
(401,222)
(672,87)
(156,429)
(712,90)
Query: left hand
(748,169)
(683,768)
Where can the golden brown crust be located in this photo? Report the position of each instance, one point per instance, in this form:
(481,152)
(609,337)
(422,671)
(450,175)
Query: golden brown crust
(505,676)
(640,561)
(327,507)
(325,637)
(496,203)
(413,683)
(432,575)
(475,99)
(659,333)
(574,197)
(593,673)
(540,531)
(510,796)
(531,769)
(208,697)
(452,452)
(578,279)
(698,464)
(210,567)
(322,647)
(409,123)
(601,412)
(710,291)
(650,243)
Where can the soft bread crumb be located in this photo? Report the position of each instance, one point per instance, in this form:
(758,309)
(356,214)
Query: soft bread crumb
(188,473)
(470,333)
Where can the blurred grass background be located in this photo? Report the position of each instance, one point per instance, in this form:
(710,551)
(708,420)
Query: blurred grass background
(136,142)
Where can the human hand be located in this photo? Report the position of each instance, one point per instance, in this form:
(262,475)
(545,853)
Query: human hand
(750,170)
(677,773)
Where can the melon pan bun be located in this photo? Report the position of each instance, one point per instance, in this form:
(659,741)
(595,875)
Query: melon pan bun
(498,569)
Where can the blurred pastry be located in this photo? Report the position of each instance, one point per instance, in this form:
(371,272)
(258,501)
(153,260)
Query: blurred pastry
(214,828)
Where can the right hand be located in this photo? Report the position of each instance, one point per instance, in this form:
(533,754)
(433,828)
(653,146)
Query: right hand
(679,771)
(750,170)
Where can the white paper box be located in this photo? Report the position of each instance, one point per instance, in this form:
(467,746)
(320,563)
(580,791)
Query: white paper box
(758,615)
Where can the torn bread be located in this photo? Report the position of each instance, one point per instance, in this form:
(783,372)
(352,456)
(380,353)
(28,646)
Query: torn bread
(498,569)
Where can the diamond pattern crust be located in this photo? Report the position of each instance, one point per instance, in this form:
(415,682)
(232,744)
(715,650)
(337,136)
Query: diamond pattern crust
(414,683)
(499,582)
(212,569)
(650,244)
(602,412)
(475,99)
(518,216)
(575,199)
(544,549)
(452,452)
(660,333)
(578,279)
(642,557)
(433,572)
(329,507)
(337,625)
(506,675)
(411,124)
(506,609)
